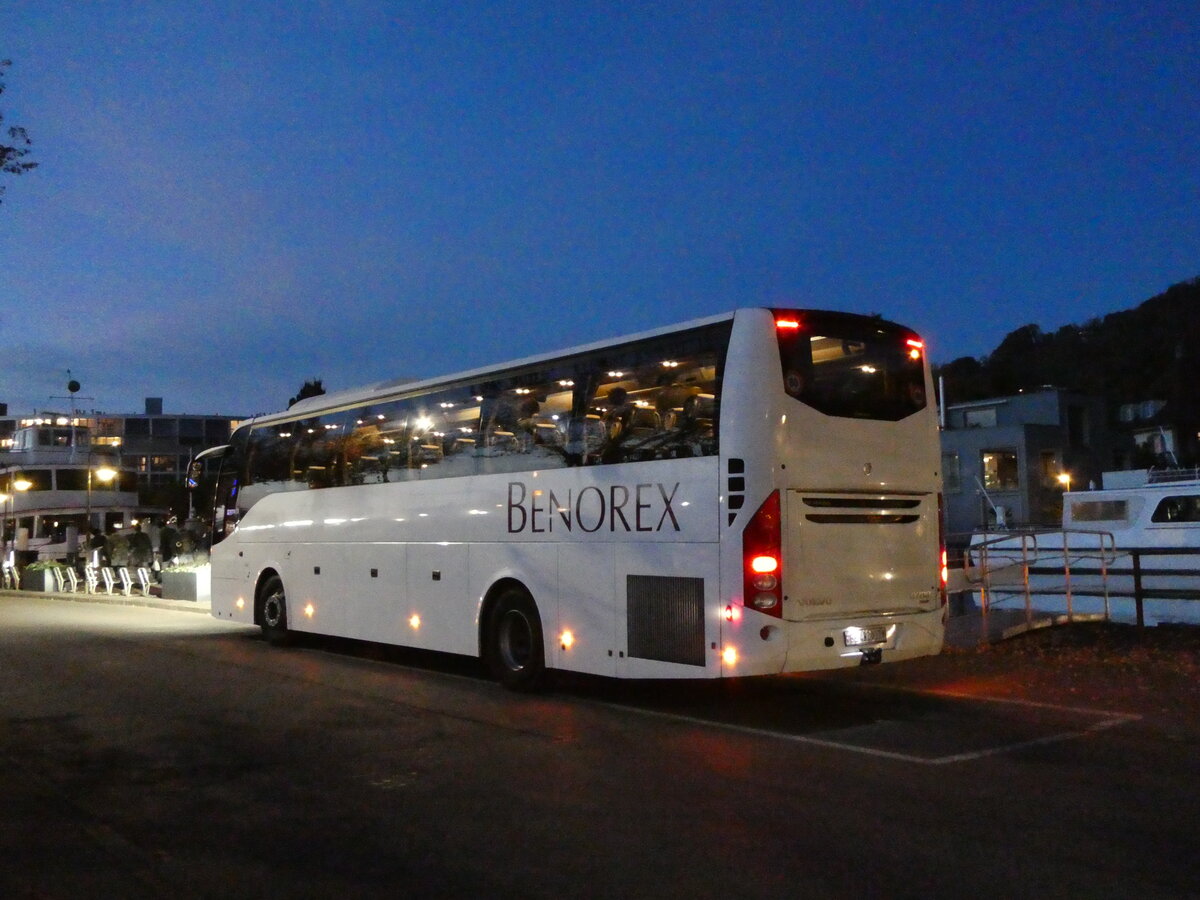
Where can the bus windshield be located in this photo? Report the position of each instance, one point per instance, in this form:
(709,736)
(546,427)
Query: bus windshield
(851,366)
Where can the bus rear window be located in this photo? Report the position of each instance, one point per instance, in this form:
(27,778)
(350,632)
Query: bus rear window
(851,366)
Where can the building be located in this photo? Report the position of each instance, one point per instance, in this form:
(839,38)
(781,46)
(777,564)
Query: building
(56,488)
(1011,458)
(154,446)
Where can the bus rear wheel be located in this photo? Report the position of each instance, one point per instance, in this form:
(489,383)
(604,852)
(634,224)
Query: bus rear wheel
(272,612)
(516,653)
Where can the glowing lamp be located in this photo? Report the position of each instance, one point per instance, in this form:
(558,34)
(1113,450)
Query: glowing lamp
(764,565)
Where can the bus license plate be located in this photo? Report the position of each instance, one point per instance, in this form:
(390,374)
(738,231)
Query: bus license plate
(857,637)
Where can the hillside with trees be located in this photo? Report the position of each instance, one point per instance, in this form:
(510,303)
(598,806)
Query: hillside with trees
(1151,352)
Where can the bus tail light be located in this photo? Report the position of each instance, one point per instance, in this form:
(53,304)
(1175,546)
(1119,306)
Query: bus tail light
(943,558)
(762,559)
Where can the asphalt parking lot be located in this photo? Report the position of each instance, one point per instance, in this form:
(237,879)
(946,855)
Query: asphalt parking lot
(169,753)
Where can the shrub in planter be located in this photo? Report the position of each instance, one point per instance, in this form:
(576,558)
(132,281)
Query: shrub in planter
(192,583)
(39,576)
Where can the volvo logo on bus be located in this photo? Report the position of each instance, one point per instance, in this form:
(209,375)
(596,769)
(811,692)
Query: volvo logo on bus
(617,507)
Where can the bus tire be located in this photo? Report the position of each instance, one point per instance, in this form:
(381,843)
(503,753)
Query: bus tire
(516,652)
(272,612)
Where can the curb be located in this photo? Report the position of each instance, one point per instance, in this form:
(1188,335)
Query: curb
(114,600)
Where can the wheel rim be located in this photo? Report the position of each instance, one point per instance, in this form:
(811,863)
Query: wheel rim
(273,609)
(515,640)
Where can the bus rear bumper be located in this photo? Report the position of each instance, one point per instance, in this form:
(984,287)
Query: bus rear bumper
(815,645)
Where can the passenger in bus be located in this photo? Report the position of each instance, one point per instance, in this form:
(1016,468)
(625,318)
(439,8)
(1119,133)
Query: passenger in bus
(526,416)
(617,413)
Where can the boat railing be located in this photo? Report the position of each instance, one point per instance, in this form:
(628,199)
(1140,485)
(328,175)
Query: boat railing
(1168,476)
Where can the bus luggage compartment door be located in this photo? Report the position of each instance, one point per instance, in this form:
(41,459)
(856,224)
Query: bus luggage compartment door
(858,554)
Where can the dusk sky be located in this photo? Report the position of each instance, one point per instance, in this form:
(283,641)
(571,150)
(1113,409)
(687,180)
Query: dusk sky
(235,197)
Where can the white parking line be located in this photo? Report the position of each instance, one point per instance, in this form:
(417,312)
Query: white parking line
(1107,720)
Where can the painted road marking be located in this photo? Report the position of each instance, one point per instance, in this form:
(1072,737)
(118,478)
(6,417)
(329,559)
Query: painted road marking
(1106,720)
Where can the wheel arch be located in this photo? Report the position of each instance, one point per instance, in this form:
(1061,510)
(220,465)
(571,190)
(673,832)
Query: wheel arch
(490,597)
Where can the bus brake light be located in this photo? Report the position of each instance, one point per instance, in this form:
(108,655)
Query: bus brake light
(944,558)
(762,552)
(787,324)
(764,564)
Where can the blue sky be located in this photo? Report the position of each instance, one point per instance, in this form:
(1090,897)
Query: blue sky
(236,196)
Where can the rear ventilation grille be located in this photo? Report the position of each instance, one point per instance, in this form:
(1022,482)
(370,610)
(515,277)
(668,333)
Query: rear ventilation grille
(665,619)
(862,510)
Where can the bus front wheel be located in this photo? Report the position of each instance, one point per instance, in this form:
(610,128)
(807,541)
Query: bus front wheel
(272,616)
(516,653)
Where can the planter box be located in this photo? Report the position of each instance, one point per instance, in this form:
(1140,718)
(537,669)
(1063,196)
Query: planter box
(192,586)
(39,580)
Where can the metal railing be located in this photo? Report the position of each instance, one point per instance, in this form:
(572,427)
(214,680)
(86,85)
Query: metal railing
(1000,566)
(1036,552)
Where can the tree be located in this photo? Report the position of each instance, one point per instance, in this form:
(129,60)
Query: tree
(310,388)
(12,156)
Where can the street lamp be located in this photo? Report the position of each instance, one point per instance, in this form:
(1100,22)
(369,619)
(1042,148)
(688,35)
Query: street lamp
(4,498)
(106,474)
(17,483)
(1064,478)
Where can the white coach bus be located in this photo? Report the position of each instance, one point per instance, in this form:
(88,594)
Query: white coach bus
(752,493)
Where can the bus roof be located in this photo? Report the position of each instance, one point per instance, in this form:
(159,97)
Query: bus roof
(399,386)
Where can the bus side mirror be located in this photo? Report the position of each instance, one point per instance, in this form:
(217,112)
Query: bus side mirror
(193,475)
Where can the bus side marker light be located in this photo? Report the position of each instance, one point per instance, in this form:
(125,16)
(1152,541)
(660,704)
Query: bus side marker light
(414,621)
(309,610)
(567,640)
(729,656)
(241,602)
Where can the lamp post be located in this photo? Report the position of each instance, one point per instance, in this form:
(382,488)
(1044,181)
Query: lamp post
(4,498)
(106,474)
(17,482)
(1064,478)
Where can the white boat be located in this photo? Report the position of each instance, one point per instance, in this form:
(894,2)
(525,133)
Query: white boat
(56,486)
(1120,549)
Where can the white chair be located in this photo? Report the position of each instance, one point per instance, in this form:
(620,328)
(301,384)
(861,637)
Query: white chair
(10,577)
(60,580)
(126,581)
(92,577)
(143,577)
(73,579)
(106,574)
